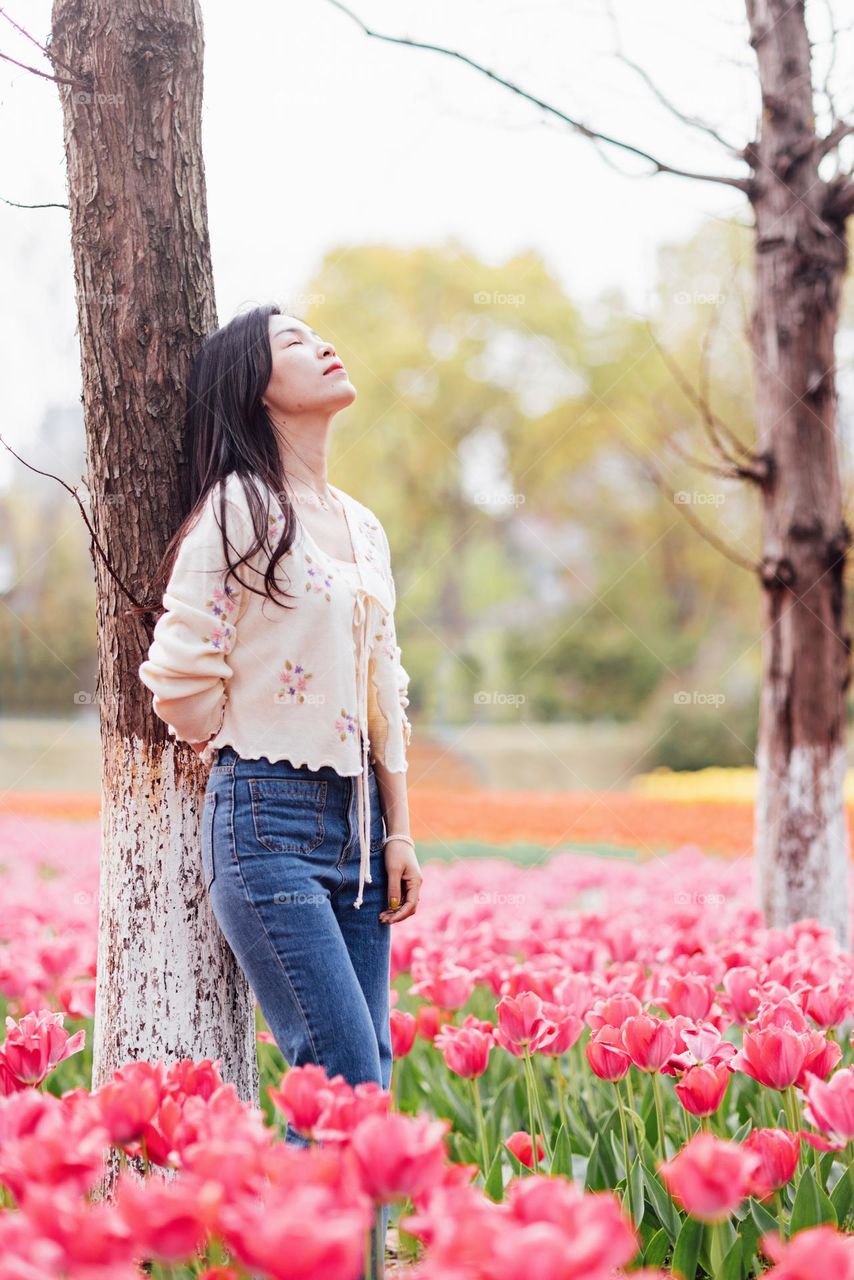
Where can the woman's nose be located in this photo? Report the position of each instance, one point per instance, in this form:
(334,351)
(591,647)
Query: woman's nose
(327,349)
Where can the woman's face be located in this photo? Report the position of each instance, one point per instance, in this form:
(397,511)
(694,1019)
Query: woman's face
(307,375)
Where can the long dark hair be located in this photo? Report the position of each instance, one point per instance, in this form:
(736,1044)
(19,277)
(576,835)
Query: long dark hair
(227,429)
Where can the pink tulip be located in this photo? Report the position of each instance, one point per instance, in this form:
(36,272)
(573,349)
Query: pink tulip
(398,1156)
(822,1057)
(606,1054)
(403,1028)
(710,1176)
(829,1003)
(613,1011)
(302,1094)
(648,1041)
(34,1045)
(465,1050)
(810,1254)
(448,987)
(345,1108)
(597,1237)
(168,1220)
(310,1232)
(522,1024)
(742,994)
(773,1055)
(129,1101)
(522,1146)
(569,1028)
(701,1090)
(690,994)
(778,1152)
(830,1106)
(428,1019)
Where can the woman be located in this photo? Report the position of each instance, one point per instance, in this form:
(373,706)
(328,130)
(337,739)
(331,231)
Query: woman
(295,695)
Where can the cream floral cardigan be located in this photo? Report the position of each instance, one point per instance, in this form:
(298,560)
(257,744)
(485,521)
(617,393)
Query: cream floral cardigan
(296,684)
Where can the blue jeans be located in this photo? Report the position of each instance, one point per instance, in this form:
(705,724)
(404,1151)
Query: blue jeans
(280,859)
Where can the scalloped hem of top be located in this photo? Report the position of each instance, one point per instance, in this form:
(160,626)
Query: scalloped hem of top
(307,764)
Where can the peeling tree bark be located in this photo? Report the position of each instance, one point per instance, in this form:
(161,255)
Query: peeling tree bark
(801,259)
(167,983)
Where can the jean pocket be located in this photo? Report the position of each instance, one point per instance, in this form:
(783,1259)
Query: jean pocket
(208,865)
(288,813)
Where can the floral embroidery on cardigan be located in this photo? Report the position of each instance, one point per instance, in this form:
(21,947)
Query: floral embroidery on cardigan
(222,604)
(293,679)
(320,580)
(385,639)
(371,531)
(346,724)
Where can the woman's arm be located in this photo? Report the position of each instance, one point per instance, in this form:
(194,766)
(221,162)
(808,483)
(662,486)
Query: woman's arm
(400,860)
(186,668)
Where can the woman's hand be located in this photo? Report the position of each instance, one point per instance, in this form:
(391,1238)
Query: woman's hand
(402,867)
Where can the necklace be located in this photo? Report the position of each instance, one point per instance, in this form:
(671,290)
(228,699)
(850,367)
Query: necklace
(324,502)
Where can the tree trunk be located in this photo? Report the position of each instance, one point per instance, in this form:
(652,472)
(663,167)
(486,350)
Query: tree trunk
(167,983)
(801,258)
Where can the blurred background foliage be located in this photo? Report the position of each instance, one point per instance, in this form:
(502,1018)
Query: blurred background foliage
(506,440)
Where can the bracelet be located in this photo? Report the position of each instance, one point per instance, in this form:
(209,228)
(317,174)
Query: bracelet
(398,835)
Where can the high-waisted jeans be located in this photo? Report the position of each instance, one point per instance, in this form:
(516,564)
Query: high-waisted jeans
(280,858)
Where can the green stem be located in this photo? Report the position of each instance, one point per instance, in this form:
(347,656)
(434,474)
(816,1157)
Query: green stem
(481,1124)
(626,1156)
(538,1101)
(780,1208)
(369,1251)
(686,1124)
(531,1121)
(659,1114)
(631,1091)
(561,1085)
(793,1114)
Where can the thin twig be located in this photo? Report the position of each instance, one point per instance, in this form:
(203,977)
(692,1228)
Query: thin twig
(94,536)
(742,184)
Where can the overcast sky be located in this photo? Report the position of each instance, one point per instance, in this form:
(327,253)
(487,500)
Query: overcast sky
(317,135)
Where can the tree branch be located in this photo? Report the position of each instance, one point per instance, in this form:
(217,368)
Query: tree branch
(44,49)
(15,205)
(73,491)
(35,71)
(692,121)
(753,466)
(659,166)
(841,129)
(725,550)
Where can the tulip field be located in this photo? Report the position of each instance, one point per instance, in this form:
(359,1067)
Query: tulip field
(604,1066)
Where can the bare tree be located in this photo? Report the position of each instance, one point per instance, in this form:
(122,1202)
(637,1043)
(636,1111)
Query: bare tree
(801,255)
(130,80)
